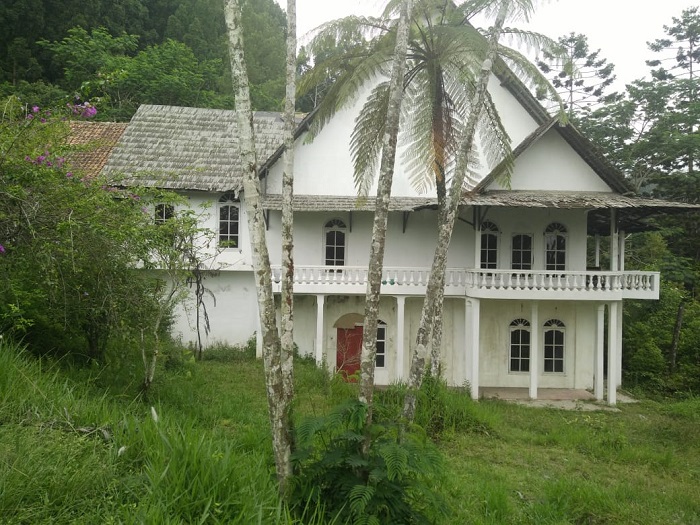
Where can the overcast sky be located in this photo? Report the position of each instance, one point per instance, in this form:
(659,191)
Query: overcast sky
(620,28)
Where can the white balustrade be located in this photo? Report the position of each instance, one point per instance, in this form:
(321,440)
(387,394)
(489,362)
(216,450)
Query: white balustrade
(587,284)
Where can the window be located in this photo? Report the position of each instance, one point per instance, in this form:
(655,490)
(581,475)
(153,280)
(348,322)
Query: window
(555,247)
(229,221)
(489,245)
(164,212)
(554,346)
(521,256)
(334,240)
(520,346)
(380,358)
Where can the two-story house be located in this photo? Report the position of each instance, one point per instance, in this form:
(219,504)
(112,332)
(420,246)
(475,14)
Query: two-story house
(527,303)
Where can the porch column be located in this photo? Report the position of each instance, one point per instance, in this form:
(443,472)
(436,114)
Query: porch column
(477,246)
(472,320)
(619,344)
(612,353)
(613,241)
(534,348)
(400,322)
(598,386)
(320,301)
(597,251)
(622,250)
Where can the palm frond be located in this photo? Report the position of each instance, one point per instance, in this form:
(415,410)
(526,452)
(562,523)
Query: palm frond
(495,143)
(366,139)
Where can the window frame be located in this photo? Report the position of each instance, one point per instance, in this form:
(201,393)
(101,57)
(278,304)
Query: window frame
(554,232)
(487,230)
(335,226)
(163,212)
(513,251)
(383,340)
(224,240)
(555,327)
(520,326)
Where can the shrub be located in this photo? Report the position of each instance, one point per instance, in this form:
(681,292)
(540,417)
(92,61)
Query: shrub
(391,483)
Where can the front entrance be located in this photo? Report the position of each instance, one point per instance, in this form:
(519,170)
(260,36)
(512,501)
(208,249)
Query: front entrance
(349,352)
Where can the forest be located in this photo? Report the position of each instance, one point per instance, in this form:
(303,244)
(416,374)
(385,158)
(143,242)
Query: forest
(69,295)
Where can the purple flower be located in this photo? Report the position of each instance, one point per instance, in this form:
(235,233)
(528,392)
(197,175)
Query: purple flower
(69,175)
(28,158)
(43,121)
(2,249)
(30,117)
(35,109)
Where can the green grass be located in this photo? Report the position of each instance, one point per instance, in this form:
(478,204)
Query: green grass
(77,446)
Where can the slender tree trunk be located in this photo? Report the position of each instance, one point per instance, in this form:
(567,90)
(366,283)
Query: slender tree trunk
(437,270)
(287,348)
(281,436)
(381,212)
(673,354)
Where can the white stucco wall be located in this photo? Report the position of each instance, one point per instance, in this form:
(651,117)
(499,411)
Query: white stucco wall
(579,321)
(550,164)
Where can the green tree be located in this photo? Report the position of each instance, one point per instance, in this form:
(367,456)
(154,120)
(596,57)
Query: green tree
(582,77)
(448,101)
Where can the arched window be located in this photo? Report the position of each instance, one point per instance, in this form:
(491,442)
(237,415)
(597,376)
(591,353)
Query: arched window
(229,221)
(334,239)
(554,346)
(489,245)
(555,247)
(520,346)
(380,359)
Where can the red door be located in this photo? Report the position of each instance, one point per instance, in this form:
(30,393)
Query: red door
(349,350)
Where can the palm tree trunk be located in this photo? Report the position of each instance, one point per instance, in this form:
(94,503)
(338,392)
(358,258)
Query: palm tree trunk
(287,329)
(437,270)
(278,412)
(381,212)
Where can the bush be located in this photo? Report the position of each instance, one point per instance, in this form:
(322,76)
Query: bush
(391,483)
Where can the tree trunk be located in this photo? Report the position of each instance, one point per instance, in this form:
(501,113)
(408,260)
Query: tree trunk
(437,270)
(277,403)
(381,212)
(673,354)
(287,329)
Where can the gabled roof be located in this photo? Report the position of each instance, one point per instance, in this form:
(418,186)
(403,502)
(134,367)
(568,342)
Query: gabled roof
(182,148)
(95,142)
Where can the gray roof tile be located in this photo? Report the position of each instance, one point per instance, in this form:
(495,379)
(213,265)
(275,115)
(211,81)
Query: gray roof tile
(183,148)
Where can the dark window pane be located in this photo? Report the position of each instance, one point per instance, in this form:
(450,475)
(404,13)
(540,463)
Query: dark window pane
(548,366)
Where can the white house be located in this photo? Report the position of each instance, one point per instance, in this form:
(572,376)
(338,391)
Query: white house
(527,303)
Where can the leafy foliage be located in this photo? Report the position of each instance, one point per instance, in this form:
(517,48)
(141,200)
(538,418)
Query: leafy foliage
(391,483)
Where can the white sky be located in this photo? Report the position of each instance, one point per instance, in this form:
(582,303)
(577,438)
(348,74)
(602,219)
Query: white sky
(620,28)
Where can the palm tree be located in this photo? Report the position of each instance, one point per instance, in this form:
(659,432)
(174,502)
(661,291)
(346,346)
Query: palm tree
(381,212)
(450,109)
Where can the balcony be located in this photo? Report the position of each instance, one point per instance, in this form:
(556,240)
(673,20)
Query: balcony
(486,284)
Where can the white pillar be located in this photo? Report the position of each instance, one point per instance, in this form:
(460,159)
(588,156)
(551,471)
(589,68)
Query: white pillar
(622,250)
(400,322)
(619,344)
(612,353)
(477,246)
(598,386)
(613,241)
(473,321)
(320,300)
(534,348)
